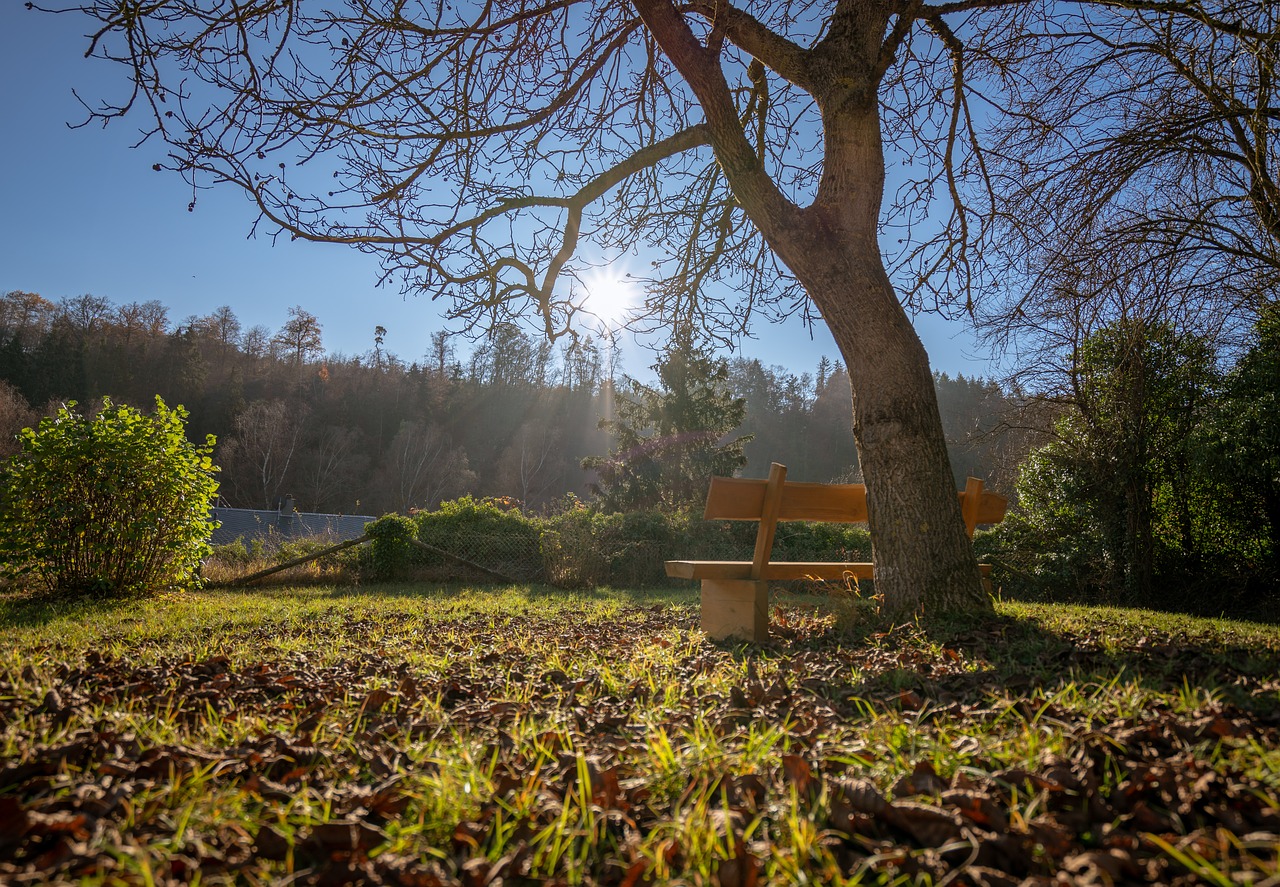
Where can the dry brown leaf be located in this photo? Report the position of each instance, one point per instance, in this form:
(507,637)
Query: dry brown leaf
(271,844)
(376,701)
(797,771)
(1056,839)
(860,796)
(929,826)
(469,835)
(345,836)
(14,821)
(1107,867)
(743,870)
(923,780)
(978,807)
(635,874)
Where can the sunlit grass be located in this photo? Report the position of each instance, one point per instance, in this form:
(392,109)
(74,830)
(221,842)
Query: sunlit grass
(538,725)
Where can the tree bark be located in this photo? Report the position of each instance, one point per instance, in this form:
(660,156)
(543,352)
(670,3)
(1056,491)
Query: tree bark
(1139,547)
(1271,507)
(923,559)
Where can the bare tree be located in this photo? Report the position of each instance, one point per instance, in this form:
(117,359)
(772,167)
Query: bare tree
(224,328)
(15,415)
(86,313)
(472,147)
(1137,178)
(154,318)
(1092,285)
(259,457)
(25,314)
(422,466)
(256,342)
(300,337)
(330,467)
(440,355)
(1151,134)
(528,466)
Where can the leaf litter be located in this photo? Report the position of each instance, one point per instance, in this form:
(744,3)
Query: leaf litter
(631,750)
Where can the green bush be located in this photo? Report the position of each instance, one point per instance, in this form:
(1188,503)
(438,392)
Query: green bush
(392,549)
(231,553)
(586,548)
(573,543)
(804,541)
(582,547)
(490,532)
(119,501)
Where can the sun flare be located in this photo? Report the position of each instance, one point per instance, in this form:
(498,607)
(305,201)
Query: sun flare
(610,296)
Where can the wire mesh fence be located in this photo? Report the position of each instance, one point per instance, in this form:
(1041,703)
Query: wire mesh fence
(573,550)
(461,555)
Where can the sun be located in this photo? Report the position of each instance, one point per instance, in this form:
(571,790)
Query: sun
(611,296)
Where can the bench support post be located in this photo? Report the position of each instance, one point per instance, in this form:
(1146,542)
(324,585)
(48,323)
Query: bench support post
(736,608)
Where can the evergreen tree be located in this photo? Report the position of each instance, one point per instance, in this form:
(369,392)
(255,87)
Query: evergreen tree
(1244,442)
(1115,492)
(669,440)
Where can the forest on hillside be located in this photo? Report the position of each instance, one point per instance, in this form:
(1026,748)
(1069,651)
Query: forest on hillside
(1143,468)
(506,416)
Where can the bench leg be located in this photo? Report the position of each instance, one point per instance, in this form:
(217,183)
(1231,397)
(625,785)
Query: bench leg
(736,608)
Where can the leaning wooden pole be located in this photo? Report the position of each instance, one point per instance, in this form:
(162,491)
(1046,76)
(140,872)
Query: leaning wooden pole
(261,574)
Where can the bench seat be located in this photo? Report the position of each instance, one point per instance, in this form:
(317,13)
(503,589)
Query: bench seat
(735,594)
(776,570)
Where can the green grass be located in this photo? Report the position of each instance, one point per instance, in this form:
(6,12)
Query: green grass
(426,734)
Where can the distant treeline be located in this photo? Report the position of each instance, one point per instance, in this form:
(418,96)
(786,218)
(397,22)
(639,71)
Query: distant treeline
(511,416)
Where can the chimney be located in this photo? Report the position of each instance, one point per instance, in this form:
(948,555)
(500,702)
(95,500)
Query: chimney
(286,513)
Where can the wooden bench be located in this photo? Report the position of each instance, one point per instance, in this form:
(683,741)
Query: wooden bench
(735,594)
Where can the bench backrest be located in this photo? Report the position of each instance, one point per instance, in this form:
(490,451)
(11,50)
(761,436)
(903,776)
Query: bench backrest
(775,499)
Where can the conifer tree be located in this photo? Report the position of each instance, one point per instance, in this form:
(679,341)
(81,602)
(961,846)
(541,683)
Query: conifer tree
(669,440)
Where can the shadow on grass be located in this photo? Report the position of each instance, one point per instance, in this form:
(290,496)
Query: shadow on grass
(1036,648)
(1040,652)
(36,609)
(1021,651)
(1259,603)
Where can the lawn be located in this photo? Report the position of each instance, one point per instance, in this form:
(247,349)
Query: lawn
(452,735)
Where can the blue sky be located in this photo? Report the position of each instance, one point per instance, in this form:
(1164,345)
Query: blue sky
(83,212)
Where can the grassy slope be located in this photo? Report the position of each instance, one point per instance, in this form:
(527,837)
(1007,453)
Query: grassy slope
(437,735)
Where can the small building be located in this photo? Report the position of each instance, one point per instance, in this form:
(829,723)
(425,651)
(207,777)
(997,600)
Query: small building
(283,524)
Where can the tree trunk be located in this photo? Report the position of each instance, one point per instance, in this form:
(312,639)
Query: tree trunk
(1139,547)
(923,559)
(1271,507)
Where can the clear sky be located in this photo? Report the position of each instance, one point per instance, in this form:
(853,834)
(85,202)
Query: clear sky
(83,212)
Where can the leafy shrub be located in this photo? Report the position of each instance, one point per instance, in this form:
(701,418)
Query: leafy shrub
(642,541)
(233,552)
(392,548)
(109,503)
(574,548)
(490,532)
(803,541)
(586,548)
(582,547)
